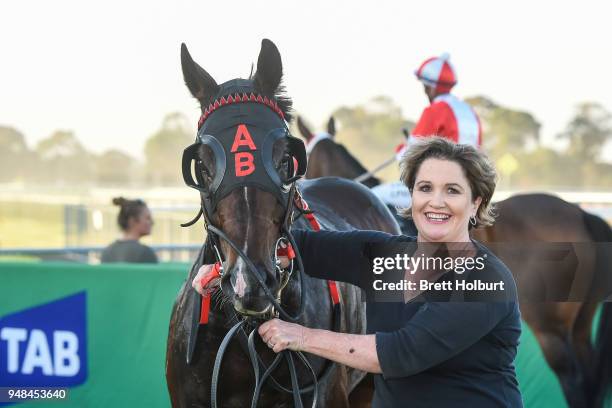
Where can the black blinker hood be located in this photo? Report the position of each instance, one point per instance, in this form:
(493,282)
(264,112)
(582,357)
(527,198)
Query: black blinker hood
(241,135)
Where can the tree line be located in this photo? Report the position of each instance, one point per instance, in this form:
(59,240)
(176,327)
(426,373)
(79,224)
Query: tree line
(61,159)
(371,130)
(511,138)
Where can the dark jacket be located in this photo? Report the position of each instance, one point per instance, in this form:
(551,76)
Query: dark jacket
(432,354)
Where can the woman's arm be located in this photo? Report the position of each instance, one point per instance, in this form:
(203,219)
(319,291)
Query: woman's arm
(436,333)
(354,350)
(333,255)
(338,255)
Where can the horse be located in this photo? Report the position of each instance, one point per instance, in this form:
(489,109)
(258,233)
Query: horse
(557,300)
(333,159)
(246,164)
(328,153)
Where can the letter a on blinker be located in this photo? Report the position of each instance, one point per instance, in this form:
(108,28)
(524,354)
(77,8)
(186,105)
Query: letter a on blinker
(242,138)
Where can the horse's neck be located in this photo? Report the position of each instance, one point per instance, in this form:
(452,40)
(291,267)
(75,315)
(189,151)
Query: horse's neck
(347,166)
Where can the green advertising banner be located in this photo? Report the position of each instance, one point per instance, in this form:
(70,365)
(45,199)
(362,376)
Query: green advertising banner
(100,330)
(127,313)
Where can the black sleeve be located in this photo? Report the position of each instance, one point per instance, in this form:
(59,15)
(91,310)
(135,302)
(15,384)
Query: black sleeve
(338,255)
(443,329)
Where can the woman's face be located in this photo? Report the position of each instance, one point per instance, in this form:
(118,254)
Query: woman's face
(442,202)
(143,223)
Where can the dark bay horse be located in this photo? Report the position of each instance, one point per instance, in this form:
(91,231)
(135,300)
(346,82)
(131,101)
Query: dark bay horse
(244,163)
(563,328)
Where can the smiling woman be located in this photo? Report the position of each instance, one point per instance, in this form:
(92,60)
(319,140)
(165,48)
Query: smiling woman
(435,350)
(451,187)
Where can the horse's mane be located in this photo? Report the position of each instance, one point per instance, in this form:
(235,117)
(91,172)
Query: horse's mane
(285,103)
(355,165)
(351,159)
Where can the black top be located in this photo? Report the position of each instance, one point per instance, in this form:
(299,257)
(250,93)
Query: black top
(128,250)
(432,354)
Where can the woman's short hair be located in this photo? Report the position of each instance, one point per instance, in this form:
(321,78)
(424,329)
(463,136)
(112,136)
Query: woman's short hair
(128,209)
(477,168)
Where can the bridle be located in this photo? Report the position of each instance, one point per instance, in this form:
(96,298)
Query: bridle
(258,171)
(253,141)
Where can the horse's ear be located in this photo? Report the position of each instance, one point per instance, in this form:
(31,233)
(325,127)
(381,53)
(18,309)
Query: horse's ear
(406,133)
(306,133)
(269,68)
(201,85)
(331,126)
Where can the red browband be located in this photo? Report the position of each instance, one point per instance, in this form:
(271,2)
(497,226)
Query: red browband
(240,98)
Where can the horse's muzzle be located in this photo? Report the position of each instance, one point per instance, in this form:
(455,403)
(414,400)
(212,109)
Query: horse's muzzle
(252,310)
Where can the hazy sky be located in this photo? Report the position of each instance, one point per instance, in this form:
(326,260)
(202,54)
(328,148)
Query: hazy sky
(110,70)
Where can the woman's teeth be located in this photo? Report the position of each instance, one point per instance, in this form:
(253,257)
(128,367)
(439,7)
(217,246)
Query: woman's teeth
(437,217)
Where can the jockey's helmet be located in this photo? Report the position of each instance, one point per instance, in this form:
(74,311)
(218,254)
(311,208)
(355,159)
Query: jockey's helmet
(438,73)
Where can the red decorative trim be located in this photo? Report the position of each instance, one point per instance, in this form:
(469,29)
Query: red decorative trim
(333,286)
(333,291)
(231,99)
(287,251)
(205,307)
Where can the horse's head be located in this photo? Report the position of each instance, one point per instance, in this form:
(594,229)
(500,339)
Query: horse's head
(244,163)
(326,157)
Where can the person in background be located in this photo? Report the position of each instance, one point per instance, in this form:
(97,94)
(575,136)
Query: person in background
(446,116)
(135,221)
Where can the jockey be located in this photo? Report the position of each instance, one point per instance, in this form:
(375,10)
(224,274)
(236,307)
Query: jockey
(447,115)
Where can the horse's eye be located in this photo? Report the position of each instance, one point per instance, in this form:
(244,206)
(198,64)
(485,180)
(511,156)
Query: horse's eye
(204,172)
(283,164)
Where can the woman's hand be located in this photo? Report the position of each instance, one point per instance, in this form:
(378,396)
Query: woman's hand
(280,335)
(197,281)
(354,350)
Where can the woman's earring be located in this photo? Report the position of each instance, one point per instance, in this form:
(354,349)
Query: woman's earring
(473,221)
